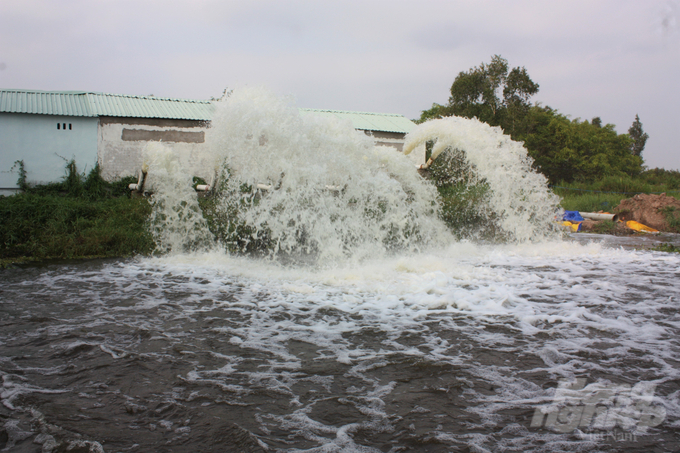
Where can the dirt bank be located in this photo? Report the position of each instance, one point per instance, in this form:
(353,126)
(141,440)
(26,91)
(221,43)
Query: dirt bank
(660,212)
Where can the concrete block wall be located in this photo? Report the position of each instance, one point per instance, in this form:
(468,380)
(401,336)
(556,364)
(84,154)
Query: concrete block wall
(122,141)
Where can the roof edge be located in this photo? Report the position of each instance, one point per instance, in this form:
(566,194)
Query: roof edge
(352,112)
(98,93)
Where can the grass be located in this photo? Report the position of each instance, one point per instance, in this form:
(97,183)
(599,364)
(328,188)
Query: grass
(672,218)
(668,248)
(604,227)
(607,193)
(589,202)
(45,226)
(82,216)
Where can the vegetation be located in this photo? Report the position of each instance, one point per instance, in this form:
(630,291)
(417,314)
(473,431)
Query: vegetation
(604,227)
(638,136)
(491,94)
(606,193)
(78,217)
(564,150)
(85,216)
(462,194)
(673,218)
(573,150)
(668,248)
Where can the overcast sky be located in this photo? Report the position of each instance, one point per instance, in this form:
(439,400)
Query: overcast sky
(610,58)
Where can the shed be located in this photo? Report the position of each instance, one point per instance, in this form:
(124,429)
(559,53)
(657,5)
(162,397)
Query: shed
(44,129)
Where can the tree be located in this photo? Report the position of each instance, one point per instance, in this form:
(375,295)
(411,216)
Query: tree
(638,136)
(516,94)
(574,150)
(489,93)
(436,111)
(562,149)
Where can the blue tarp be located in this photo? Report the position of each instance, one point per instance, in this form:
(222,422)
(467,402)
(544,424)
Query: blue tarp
(572,216)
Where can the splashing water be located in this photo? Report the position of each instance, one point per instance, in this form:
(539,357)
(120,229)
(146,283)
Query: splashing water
(333,194)
(176,221)
(309,187)
(519,199)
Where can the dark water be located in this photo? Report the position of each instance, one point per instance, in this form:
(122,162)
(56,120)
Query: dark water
(448,352)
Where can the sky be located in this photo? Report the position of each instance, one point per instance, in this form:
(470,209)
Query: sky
(609,58)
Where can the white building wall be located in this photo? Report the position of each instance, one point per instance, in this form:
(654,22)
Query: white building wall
(45,149)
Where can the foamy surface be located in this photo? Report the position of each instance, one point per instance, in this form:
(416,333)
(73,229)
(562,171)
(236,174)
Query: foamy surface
(446,350)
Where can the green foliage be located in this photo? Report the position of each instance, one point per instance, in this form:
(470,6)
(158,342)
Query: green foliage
(596,196)
(79,216)
(463,197)
(650,181)
(562,149)
(668,248)
(638,136)
(21,180)
(78,185)
(52,226)
(589,202)
(604,227)
(221,212)
(672,218)
(574,150)
(489,93)
(663,180)
(436,111)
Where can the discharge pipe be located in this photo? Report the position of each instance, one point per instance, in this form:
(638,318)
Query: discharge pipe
(139,187)
(599,216)
(438,148)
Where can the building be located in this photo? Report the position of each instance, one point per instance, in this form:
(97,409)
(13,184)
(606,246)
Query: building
(45,129)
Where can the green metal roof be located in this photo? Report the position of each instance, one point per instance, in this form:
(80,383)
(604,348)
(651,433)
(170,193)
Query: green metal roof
(78,103)
(382,122)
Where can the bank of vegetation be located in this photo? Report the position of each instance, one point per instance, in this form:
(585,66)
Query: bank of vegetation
(81,216)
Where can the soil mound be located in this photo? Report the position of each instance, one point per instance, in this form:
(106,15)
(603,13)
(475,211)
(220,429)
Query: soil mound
(652,210)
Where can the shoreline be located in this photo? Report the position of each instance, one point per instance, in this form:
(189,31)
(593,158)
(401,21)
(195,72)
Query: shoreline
(670,246)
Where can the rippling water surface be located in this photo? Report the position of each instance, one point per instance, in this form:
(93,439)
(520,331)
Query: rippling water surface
(452,350)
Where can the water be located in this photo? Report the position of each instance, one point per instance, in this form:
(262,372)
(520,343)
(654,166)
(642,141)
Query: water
(520,202)
(366,330)
(331,194)
(445,351)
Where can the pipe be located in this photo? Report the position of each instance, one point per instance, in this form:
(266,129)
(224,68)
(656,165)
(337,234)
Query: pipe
(140,182)
(426,165)
(208,187)
(599,216)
